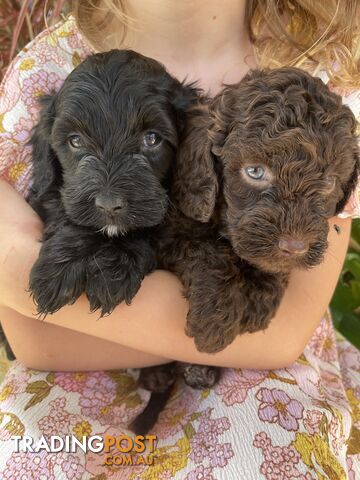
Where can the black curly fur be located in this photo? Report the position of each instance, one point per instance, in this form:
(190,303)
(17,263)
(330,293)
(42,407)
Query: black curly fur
(101,197)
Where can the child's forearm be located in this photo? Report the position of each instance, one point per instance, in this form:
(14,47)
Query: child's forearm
(42,346)
(155,321)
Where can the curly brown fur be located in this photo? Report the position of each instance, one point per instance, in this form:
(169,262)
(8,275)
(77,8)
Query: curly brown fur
(289,125)
(234,239)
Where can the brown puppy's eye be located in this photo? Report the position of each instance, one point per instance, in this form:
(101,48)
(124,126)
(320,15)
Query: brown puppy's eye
(255,173)
(152,139)
(75,141)
(330,181)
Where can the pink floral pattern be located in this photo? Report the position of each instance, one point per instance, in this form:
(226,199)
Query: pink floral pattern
(277,406)
(323,342)
(58,421)
(32,466)
(200,473)
(302,422)
(205,444)
(69,381)
(279,463)
(37,85)
(236,384)
(312,421)
(97,392)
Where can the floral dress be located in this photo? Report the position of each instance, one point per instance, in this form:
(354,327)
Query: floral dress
(302,422)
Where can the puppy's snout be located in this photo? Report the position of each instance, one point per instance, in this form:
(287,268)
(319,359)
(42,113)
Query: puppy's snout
(110,205)
(292,246)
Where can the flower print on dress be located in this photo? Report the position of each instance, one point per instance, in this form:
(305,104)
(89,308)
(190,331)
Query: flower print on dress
(338,440)
(323,341)
(10,98)
(22,130)
(72,467)
(349,357)
(350,467)
(14,384)
(76,43)
(234,384)
(111,398)
(10,425)
(71,381)
(180,410)
(47,51)
(312,421)
(37,84)
(18,172)
(280,462)
(29,466)
(97,394)
(332,388)
(119,414)
(200,473)
(205,444)
(277,407)
(307,379)
(349,361)
(58,420)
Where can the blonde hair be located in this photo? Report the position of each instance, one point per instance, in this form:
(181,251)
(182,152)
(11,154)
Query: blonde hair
(313,35)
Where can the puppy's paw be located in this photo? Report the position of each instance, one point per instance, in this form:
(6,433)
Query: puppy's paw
(212,331)
(55,284)
(105,292)
(157,379)
(199,376)
(114,276)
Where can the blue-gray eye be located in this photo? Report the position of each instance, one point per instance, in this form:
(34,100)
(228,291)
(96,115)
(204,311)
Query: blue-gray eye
(152,139)
(256,173)
(75,141)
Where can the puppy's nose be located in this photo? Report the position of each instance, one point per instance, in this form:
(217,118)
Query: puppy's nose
(109,205)
(292,246)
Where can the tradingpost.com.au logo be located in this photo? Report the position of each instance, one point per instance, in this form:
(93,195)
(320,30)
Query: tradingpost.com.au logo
(118,450)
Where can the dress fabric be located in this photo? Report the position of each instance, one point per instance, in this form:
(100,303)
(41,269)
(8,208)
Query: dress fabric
(302,422)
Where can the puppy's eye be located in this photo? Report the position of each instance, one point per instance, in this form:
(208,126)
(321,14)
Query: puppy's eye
(256,173)
(75,141)
(329,182)
(152,139)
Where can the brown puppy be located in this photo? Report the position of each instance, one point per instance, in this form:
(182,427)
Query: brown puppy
(263,167)
(260,170)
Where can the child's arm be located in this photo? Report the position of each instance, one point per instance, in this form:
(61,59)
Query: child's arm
(154,323)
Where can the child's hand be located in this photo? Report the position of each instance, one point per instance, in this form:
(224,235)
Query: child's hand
(20,234)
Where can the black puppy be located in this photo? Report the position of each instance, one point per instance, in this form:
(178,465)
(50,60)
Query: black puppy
(101,154)
(102,151)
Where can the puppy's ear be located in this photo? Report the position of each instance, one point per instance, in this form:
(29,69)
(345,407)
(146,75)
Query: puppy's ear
(46,167)
(195,184)
(185,96)
(182,98)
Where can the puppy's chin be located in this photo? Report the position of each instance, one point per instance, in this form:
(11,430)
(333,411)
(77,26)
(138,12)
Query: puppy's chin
(113,230)
(275,262)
